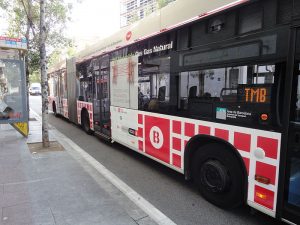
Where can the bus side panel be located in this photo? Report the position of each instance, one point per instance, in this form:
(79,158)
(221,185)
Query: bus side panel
(163,138)
(124,126)
(87,106)
(72,90)
(65,108)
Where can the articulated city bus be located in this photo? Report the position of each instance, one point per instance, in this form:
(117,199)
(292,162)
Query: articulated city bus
(210,89)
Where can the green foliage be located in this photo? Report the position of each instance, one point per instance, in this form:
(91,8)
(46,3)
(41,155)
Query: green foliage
(133,19)
(161,3)
(24,20)
(35,77)
(3,4)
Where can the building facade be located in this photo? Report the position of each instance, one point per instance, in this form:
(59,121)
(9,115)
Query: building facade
(134,10)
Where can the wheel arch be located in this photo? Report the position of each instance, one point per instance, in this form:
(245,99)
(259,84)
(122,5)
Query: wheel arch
(194,145)
(83,110)
(53,105)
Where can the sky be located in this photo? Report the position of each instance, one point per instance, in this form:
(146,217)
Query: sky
(93,19)
(90,20)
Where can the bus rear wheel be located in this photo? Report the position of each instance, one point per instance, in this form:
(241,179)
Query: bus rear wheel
(85,122)
(219,176)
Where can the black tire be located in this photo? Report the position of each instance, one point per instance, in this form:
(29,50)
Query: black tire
(85,122)
(218,174)
(54,109)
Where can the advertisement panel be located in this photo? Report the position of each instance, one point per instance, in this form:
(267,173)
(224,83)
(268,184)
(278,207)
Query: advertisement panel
(12,91)
(124,82)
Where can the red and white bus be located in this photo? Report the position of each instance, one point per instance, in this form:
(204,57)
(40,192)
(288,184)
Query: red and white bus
(210,89)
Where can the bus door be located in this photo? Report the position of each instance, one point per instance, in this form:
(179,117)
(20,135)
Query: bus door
(61,82)
(59,97)
(103,100)
(292,190)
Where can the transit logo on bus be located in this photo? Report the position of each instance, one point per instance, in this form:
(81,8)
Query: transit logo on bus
(256,93)
(128,35)
(156,137)
(157,143)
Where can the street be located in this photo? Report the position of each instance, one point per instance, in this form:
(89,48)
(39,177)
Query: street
(164,188)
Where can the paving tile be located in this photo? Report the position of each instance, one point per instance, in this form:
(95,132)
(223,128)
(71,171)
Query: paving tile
(29,185)
(56,187)
(31,213)
(11,199)
(99,216)
(146,221)
(18,175)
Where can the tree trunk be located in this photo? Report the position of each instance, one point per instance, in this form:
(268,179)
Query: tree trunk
(44,79)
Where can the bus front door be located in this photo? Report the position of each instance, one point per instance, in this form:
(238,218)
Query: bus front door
(292,184)
(101,104)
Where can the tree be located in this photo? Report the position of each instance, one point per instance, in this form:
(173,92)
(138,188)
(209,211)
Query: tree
(3,4)
(27,18)
(163,3)
(35,77)
(24,20)
(43,65)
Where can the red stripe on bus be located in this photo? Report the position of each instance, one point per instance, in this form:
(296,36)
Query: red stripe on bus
(267,171)
(264,197)
(242,141)
(204,130)
(224,134)
(177,127)
(140,132)
(177,160)
(189,129)
(141,145)
(140,119)
(176,144)
(269,145)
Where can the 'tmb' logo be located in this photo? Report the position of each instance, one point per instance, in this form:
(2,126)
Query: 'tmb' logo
(156,137)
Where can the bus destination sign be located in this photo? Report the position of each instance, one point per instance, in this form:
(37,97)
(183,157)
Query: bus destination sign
(259,94)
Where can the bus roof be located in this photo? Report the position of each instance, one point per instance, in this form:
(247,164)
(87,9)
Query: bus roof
(173,15)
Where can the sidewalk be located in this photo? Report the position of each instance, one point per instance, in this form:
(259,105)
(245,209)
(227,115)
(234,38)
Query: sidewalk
(58,187)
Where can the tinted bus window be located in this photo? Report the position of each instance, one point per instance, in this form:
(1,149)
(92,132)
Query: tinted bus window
(234,94)
(85,74)
(297,113)
(154,85)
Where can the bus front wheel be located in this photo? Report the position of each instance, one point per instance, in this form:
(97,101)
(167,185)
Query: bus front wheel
(218,175)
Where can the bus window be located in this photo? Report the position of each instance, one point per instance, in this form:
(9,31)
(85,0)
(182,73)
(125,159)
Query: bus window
(297,109)
(86,82)
(154,85)
(294,182)
(234,94)
(294,153)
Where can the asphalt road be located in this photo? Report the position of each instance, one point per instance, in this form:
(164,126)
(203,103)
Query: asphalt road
(164,188)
